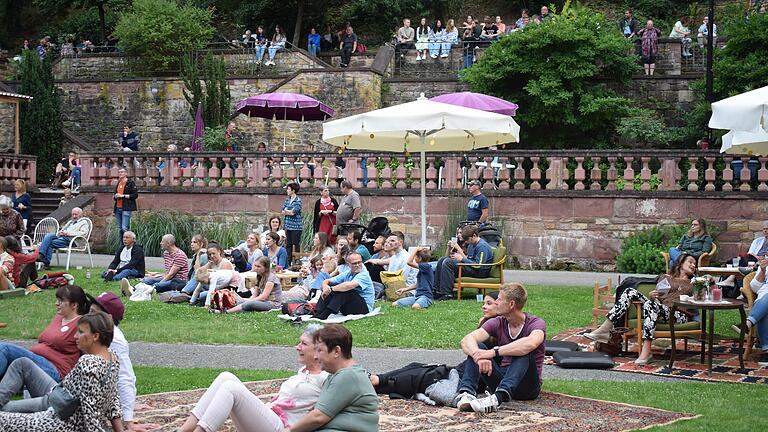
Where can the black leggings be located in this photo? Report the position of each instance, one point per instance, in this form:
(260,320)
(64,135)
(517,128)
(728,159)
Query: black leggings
(292,238)
(343,302)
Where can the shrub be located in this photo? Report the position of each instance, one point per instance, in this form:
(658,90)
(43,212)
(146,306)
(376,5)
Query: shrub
(550,70)
(159,30)
(641,252)
(645,128)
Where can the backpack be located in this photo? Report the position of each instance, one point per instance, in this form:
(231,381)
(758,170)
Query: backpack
(296,308)
(414,378)
(54,280)
(361,48)
(239,261)
(223,299)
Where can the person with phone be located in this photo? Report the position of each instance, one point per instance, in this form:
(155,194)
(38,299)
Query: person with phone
(478,252)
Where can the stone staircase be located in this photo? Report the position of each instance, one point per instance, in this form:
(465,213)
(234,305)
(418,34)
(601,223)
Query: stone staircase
(44,202)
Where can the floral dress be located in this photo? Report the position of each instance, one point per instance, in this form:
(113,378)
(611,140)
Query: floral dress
(93,381)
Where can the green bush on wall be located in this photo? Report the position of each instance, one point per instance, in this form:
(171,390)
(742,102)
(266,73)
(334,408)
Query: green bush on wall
(641,252)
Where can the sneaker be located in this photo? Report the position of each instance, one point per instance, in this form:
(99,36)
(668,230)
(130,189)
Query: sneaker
(443,55)
(485,405)
(433,56)
(763,360)
(724,284)
(418,57)
(125,287)
(465,401)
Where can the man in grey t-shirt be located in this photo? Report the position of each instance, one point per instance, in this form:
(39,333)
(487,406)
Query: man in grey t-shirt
(349,205)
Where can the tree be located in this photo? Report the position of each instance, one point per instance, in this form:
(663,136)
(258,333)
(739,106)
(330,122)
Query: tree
(215,97)
(40,121)
(159,30)
(551,71)
(56,6)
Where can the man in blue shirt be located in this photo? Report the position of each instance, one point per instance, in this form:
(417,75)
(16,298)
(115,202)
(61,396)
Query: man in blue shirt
(478,252)
(477,207)
(703,33)
(349,293)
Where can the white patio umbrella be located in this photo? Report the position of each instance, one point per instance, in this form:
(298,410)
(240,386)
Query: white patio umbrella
(736,142)
(422,126)
(746,115)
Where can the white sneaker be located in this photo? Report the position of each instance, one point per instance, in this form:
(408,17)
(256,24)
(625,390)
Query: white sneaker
(465,402)
(485,405)
(125,287)
(418,57)
(443,55)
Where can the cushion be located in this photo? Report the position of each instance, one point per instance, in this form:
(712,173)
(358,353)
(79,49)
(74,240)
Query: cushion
(498,253)
(583,360)
(489,280)
(690,325)
(553,346)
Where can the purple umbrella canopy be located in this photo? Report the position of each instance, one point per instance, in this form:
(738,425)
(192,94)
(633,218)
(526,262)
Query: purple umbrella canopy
(478,101)
(197,137)
(284,106)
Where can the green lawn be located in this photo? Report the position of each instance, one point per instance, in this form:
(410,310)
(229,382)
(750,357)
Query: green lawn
(440,326)
(720,405)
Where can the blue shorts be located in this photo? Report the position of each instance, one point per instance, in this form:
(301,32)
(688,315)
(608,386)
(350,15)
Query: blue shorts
(423,301)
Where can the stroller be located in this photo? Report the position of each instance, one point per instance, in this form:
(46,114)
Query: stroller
(486,231)
(378,226)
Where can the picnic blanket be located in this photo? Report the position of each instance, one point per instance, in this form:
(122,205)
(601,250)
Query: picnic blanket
(725,360)
(332,319)
(551,412)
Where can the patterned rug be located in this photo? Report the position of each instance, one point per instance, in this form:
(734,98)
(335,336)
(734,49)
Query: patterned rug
(725,360)
(551,412)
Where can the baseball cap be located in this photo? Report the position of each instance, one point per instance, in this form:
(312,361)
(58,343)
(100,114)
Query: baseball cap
(111,305)
(474,183)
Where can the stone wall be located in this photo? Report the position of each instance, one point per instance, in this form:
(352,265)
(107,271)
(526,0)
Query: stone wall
(96,111)
(544,231)
(670,96)
(397,91)
(7,127)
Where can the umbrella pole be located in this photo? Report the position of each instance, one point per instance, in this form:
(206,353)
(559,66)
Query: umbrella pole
(423,164)
(285,125)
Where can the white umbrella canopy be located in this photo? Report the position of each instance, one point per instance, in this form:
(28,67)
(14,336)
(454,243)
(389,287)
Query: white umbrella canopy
(737,142)
(747,112)
(422,126)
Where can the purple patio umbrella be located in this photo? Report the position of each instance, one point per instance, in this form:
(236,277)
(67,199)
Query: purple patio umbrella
(284,106)
(478,101)
(197,137)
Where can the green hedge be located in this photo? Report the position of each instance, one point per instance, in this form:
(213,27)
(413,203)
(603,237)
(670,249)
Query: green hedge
(641,252)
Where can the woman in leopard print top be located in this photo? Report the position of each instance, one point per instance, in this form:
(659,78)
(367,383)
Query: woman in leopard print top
(93,381)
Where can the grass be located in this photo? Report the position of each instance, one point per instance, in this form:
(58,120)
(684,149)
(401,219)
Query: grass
(720,405)
(561,307)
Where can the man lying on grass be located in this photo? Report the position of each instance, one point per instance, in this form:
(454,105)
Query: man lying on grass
(512,369)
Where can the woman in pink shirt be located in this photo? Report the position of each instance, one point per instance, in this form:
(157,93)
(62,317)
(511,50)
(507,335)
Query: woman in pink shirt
(56,350)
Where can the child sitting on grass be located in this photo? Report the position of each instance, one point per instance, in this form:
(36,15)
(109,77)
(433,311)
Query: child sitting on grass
(425,281)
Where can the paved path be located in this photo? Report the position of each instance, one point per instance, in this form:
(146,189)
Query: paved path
(374,359)
(533,277)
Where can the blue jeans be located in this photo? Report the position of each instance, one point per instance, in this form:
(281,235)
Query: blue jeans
(274,48)
(10,352)
(423,301)
(25,373)
(260,52)
(434,49)
(518,381)
(759,318)
(75,176)
(51,242)
(313,50)
(446,47)
(124,274)
(169,285)
(123,218)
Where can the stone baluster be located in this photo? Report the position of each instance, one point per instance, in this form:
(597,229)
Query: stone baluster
(153,172)
(173,173)
(14,171)
(504,173)
(519,174)
(87,170)
(629,173)
(579,174)
(141,172)
(595,174)
(488,173)
(187,171)
(727,175)
(431,175)
(318,173)
(276,179)
(645,174)
(373,174)
(240,172)
(555,174)
(214,172)
(201,172)
(762,175)
(612,174)
(472,172)
(352,169)
(226,172)
(693,175)
(451,172)
(305,172)
(415,173)
(709,174)
(386,175)
(291,173)
(745,175)
(101,171)
(400,174)
(535,173)
(669,174)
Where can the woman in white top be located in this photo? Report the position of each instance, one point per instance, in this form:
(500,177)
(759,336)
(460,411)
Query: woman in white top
(320,246)
(273,225)
(682,32)
(228,397)
(277,44)
(450,38)
(252,248)
(422,40)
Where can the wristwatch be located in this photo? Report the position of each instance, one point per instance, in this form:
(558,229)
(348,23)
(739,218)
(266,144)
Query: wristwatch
(496,351)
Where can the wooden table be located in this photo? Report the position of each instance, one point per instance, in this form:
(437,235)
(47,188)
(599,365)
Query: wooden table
(721,271)
(708,307)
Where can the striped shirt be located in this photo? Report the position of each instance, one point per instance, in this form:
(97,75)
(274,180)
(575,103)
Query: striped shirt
(293,223)
(179,259)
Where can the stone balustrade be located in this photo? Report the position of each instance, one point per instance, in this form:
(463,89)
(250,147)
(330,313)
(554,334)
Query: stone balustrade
(14,167)
(504,171)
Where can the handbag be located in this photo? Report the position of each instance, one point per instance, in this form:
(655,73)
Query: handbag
(393,281)
(613,346)
(64,403)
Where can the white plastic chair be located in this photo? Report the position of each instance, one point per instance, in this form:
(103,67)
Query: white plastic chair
(78,244)
(47,225)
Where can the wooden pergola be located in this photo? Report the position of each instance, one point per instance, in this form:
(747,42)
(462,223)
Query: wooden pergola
(15,98)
